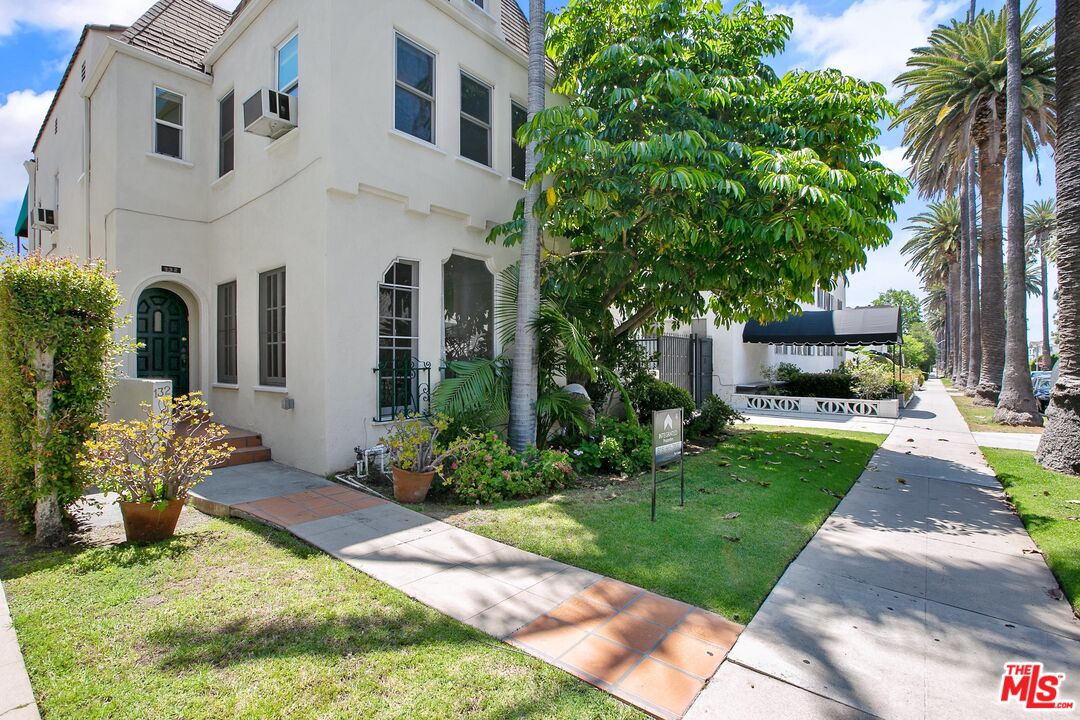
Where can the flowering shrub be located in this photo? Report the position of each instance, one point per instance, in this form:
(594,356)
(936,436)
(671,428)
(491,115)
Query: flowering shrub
(613,446)
(411,442)
(481,468)
(160,458)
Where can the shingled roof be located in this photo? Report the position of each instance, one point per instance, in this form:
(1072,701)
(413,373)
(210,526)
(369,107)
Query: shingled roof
(183,31)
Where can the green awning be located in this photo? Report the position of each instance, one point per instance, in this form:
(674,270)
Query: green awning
(21,223)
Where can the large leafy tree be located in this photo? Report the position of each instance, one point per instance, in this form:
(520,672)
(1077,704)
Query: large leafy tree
(1016,403)
(686,175)
(1059,448)
(955,101)
(1040,224)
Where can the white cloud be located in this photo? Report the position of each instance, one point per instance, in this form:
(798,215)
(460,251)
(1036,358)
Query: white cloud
(21,115)
(71,15)
(893,158)
(871,39)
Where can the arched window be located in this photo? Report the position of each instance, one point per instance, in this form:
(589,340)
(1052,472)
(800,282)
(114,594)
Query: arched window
(398,338)
(468,309)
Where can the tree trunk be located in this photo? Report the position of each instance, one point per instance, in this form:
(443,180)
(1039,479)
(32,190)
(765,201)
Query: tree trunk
(48,522)
(526,373)
(965,288)
(1047,358)
(954,312)
(1016,403)
(974,359)
(1059,448)
(991,179)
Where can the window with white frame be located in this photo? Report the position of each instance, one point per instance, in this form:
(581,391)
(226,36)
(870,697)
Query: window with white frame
(168,123)
(414,90)
(288,66)
(399,335)
(475,120)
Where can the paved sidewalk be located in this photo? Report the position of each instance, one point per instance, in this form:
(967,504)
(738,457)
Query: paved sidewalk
(16,696)
(651,651)
(909,600)
(1008,440)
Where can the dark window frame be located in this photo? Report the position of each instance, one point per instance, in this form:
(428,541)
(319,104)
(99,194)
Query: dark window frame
(227,134)
(272,345)
(517,152)
(226,333)
(466,118)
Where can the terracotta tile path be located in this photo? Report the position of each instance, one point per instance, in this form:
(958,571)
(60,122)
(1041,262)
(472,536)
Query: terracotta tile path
(650,651)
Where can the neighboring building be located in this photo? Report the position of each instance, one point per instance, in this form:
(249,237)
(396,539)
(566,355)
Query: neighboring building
(277,275)
(735,363)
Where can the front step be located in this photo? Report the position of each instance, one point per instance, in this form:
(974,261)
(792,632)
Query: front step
(248,448)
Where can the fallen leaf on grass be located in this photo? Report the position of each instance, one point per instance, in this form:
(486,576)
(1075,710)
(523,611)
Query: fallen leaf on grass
(773,462)
(1032,551)
(763,483)
(833,493)
(1055,593)
(731,516)
(723,463)
(803,480)
(1072,502)
(1077,519)
(732,538)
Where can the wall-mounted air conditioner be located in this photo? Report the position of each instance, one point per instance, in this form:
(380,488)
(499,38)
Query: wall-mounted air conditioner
(270,113)
(44,219)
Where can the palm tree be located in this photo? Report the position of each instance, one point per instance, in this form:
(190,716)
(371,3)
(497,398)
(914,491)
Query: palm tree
(974,338)
(1016,402)
(933,253)
(1040,224)
(1059,448)
(954,101)
(525,379)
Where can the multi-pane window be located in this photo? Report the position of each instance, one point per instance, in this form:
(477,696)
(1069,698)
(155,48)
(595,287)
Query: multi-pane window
(226,134)
(272,328)
(226,333)
(475,120)
(168,122)
(468,309)
(398,336)
(518,117)
(288,66)
(478,3)
(414,91)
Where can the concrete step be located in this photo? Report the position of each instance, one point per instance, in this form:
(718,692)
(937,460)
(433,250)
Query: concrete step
(248,455)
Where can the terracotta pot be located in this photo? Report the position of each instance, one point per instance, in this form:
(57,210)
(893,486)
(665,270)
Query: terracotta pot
(411,487)
(143,522)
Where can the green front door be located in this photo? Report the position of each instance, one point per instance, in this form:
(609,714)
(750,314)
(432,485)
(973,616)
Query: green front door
(161,327)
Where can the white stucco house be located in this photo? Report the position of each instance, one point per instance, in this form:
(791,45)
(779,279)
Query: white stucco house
(276,275)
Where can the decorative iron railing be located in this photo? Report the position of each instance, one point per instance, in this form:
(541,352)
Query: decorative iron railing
(403,388)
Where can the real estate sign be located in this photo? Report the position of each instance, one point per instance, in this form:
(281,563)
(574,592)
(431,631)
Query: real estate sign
(667,448)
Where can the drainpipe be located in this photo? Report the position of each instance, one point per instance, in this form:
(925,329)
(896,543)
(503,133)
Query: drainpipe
(86,174)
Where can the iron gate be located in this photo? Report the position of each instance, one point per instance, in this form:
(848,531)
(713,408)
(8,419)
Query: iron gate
(684,361)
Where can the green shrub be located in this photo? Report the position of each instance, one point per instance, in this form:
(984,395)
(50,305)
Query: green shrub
(613,446)
(57,319)
(650,394)
(873,381)
(714,417)
(481,468)
(786,372)
(836,384)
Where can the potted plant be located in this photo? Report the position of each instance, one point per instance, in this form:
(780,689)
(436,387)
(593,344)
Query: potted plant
(411,446)
(154,462)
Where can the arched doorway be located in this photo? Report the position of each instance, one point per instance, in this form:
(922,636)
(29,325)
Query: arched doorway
(161,326)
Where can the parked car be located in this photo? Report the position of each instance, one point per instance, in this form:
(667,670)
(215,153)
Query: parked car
(1043,386)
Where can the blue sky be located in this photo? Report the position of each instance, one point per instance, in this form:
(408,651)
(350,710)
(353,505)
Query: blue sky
(866,38)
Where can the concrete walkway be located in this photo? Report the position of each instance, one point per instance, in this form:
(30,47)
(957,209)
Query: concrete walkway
(652,652)
(1008,440)
(16,695)
(909,600)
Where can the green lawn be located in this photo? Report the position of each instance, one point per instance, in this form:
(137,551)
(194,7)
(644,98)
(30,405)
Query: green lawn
(233,620)
(782,482)
(1049,504)
(981,419)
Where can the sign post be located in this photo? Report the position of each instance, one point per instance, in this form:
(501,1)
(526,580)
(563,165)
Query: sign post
(667,448)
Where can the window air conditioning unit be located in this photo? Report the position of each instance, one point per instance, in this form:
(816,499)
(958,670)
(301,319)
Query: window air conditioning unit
(270,113)
(44,219)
